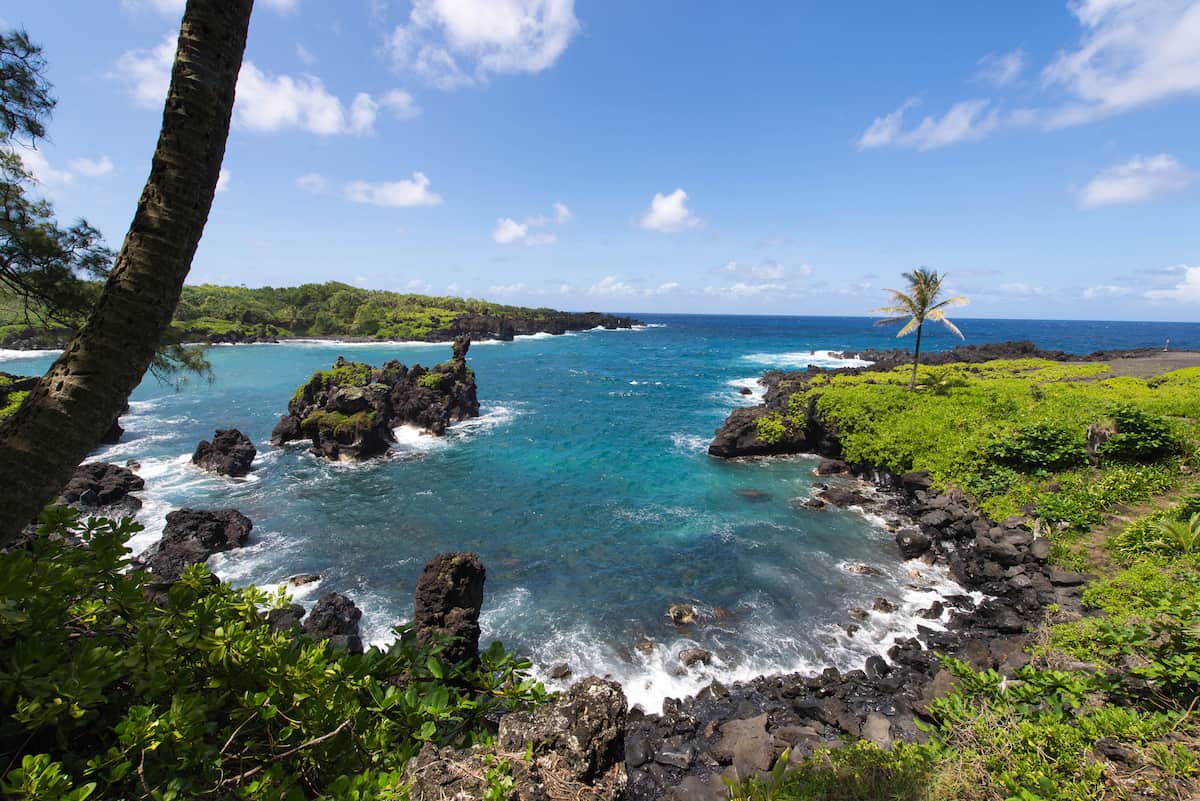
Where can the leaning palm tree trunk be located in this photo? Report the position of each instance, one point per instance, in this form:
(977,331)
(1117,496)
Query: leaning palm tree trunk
(65,416)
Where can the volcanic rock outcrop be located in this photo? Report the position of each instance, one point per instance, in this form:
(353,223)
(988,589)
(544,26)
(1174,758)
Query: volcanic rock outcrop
(230,453)
(349,412)
(449,597)
(100,484)
(190,537)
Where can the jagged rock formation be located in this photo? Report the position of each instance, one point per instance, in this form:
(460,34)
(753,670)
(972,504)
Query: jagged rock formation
(230,453)
(335,618)
(100,484)
(577,746)
(190,537)
(449,598)
(349,412)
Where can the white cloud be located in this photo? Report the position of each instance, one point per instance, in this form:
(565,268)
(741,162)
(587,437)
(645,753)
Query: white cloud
(1019,289)
(419,286)
(265,102)
(970,119)
(147,72)
(1106,291)
(455,43)
(305,55)
(669,213)
(505,290)
(1132,53)
(508,231)
(611,286)
(51,178)
(312,182)
(223,179)
(361,280)
(91,168)
(1136,181)
(1001,69)
(414,192)
(1188,289)
(743,290)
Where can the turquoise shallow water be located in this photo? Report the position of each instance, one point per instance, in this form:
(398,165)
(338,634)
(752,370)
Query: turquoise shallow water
(585,487)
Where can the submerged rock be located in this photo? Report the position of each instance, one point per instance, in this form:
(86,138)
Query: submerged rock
(682,614)
(349,411)
(449,597)
(230,453)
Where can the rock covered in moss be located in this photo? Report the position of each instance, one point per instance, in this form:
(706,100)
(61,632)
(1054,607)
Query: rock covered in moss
(349,412)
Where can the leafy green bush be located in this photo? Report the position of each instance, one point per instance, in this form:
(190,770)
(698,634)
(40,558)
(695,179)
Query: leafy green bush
(1140,436)
(1039,446)
(105,695)
(770,428)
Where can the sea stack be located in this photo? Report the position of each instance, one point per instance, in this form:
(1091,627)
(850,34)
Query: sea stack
(350,410)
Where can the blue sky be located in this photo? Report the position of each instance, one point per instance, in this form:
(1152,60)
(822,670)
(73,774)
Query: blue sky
(670,155)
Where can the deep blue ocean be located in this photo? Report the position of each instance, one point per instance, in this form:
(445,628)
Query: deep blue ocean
(585,488)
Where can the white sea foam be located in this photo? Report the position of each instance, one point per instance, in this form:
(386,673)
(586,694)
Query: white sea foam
(10,355)
(411,439)
(492,417)
(692,443)
(805,358)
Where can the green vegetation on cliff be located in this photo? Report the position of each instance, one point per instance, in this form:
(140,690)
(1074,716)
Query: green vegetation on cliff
(109,696)
(1013,433)
(330,309)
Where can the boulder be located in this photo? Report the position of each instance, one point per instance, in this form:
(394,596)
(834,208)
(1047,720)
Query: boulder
(286,618)
(689,657)
(230,453)
(913,543)
(832,467)
(449,597)
(681,614)
(100,484)
(335,618)
(842,497)
(191,536)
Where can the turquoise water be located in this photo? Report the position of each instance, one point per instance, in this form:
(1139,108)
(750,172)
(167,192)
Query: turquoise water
(585,487)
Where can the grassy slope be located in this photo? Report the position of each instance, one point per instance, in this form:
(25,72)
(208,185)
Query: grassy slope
(1127,678)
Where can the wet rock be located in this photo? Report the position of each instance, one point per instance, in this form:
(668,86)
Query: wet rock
(913,543)
(286,619)
(230,453)
(335,618)
(745,391)
(809,503)
(884,605)
(689,657)
(738,436)
(842,497)
(858,613)
(98,484)
(916,480)
(191,536)
(832,467)
(300,579)
(449,597)
(863,570)
(560,671)
(682,614)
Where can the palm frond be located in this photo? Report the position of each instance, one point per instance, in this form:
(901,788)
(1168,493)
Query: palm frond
(939,316)
(908,329)
(891,320)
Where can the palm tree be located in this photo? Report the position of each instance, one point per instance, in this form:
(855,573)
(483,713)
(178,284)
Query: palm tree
(918,304)
(65,416)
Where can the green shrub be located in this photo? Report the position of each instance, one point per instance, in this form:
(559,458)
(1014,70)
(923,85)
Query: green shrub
(1140,436)
(107,696)
(770,428)
(435,381)
(1039,446)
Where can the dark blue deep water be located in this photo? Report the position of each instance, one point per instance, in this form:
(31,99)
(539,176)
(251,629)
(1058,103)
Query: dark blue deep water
(585,487)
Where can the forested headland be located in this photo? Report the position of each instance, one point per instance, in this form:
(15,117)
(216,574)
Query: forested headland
(208,313)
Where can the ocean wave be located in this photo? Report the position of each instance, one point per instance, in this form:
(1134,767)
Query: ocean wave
(691,443)
(805,358)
